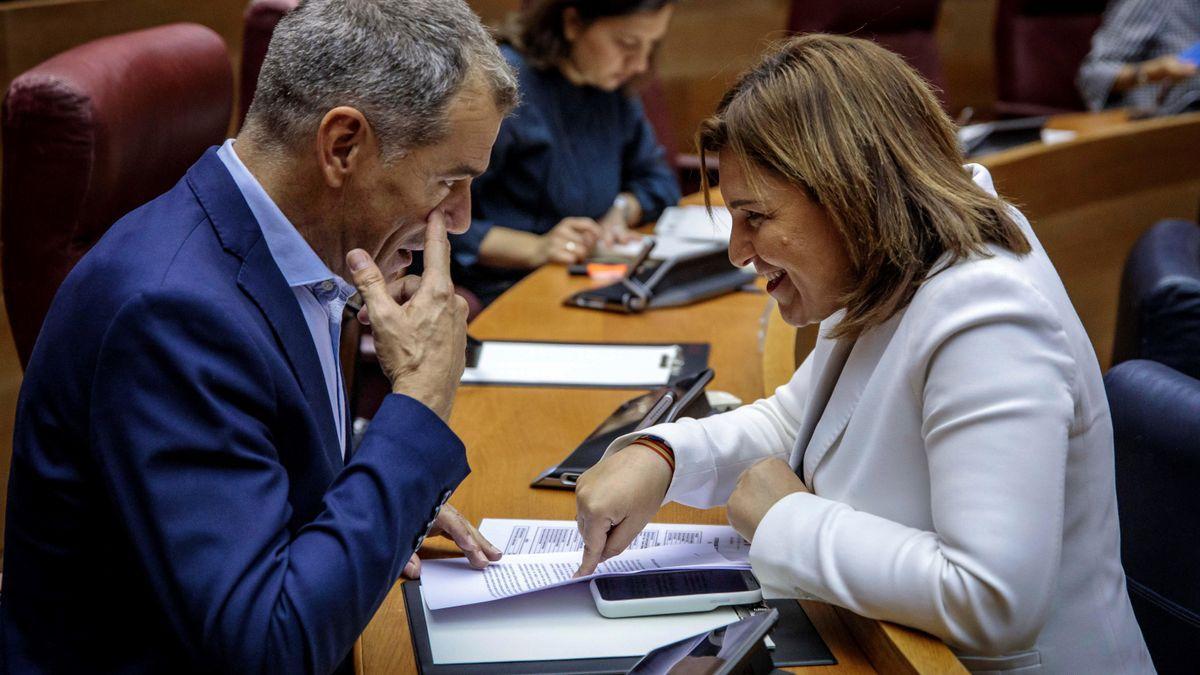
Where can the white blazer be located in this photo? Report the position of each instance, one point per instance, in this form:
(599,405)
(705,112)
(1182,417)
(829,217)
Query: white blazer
(961,462)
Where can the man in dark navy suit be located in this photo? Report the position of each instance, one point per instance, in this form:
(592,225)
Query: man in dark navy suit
(181,496)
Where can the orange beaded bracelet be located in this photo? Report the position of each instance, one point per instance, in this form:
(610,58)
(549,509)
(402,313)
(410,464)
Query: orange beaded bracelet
(659,447)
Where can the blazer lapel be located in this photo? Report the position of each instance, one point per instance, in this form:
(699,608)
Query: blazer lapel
(835,394)
(829,356)
(260,279)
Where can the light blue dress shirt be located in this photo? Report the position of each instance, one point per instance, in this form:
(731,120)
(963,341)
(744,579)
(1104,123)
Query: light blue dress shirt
(321,293)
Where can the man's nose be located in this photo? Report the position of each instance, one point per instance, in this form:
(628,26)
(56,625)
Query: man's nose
(457,208)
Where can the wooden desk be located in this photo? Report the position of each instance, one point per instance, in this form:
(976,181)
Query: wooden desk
(512,433)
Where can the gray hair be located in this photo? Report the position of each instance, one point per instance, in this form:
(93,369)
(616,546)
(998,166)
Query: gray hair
(399,62)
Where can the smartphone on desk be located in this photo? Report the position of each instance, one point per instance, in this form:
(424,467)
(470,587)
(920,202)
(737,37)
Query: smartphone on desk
(673,592)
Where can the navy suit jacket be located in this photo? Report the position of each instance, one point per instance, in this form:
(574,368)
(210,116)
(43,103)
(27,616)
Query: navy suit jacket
(178,500)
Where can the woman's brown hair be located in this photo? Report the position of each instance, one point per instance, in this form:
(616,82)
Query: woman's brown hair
(537,30)
(864,136)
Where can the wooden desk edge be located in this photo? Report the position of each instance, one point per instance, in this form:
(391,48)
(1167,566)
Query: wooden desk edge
(896,649)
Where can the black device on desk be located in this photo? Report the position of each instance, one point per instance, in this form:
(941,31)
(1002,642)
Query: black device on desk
(735,649)
(674,282)
(684,398)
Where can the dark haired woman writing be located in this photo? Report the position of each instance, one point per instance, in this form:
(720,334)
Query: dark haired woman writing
(577,163)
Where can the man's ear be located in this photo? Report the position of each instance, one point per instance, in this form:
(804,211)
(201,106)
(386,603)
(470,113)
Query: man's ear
(572,24)
(345,142)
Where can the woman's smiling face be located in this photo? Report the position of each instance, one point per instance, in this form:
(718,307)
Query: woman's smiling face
(790,240)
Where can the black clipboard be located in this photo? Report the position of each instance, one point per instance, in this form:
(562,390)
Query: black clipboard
(797,643)
(694,358)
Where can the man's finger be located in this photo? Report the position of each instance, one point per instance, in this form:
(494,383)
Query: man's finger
(595,537)
(412,569)
(404,288)
(455,526)
(401,290)
(437,252)
(368,279)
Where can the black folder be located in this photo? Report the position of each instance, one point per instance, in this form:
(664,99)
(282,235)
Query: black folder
(797,643)
(667,283)
(683,398)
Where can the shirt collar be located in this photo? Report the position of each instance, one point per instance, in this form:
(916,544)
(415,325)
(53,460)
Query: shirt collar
(297,261)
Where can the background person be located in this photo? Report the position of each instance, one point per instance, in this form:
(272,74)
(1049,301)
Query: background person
(943,458)
(577,163)
(1134,61)
(180,456)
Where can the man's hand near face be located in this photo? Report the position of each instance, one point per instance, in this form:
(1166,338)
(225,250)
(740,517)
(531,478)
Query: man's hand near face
(421,344)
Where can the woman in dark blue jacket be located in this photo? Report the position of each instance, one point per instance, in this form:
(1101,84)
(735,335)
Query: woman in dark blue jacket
(577,164)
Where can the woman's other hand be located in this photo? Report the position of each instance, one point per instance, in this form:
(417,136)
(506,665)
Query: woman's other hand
(571,241)
(758,489)
(615,231)
(615,499)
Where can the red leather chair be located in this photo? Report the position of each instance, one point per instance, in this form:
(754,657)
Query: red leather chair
(907,28)
(260,19)
(1039,46)
(91,134)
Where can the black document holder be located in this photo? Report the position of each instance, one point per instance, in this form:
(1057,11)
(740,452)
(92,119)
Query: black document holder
(797,643)
(563,475)
(668,283)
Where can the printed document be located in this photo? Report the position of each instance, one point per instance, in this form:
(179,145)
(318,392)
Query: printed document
(453,583)
(518,537)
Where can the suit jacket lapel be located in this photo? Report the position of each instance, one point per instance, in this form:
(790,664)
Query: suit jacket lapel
(260,279)
(828,358)
(835,393)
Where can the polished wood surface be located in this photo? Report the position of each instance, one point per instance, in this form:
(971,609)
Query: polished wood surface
(1089,199)
(513,433)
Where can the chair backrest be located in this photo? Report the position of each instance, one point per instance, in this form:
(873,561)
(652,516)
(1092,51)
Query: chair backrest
(1091,198)
(907,28)
(91,134)
(1156,431)
(1039,46)
(261,18)
(1159,315)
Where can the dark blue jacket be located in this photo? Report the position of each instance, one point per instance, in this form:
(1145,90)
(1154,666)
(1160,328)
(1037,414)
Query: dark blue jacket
(566,151)
(178,500)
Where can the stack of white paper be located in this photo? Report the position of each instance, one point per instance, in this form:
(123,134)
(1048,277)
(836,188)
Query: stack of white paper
(695,223)
(494,615)
(683,231)
(560,623)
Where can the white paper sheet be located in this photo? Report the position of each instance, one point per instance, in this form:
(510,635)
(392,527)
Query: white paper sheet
(665,247)
(670,247)
(694,222)
(453,583)
(560,623)
(549,364)
(517,537)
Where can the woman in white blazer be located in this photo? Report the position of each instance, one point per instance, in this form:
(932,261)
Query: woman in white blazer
(944,456)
